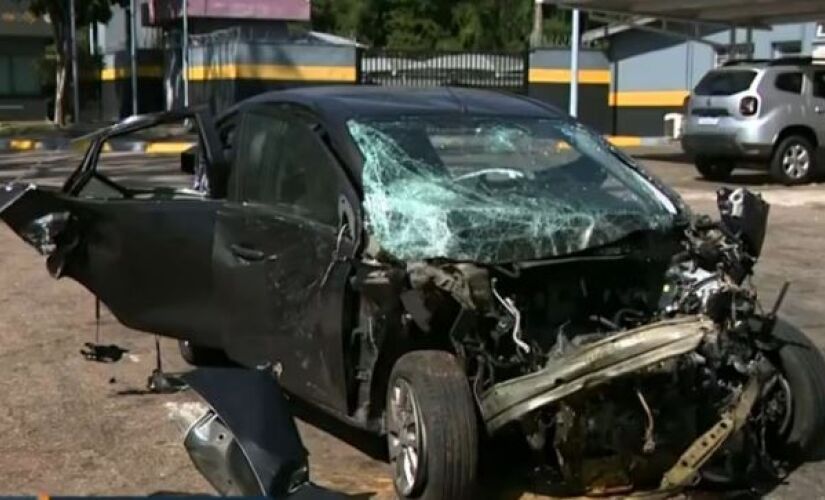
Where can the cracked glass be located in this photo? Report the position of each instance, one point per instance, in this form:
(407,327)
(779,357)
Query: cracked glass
(497,190)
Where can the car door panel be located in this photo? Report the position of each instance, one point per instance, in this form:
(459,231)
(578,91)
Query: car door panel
(146,254)
(288,307)
(148,261)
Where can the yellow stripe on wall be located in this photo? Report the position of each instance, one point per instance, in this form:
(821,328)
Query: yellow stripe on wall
(586,76)
(272,72)
(244,71)
(649,98)
(111,74)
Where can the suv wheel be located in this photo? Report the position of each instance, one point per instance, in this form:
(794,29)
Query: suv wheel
(794,161)
(431,428)
(714,169)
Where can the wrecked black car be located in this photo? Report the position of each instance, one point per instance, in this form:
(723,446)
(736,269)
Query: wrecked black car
(447,264)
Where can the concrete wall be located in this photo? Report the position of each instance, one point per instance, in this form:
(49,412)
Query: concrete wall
(549,80)
(227,71)
(112,100)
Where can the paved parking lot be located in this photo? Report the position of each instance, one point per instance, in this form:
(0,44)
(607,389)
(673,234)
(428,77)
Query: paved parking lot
(74,427)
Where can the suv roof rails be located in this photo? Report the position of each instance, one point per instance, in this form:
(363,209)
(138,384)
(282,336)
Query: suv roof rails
(782,61)
(737,62)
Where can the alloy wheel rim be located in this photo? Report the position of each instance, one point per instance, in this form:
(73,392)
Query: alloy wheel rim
(796,161)
(406,438)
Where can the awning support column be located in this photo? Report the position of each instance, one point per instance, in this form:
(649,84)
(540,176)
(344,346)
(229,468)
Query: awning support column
(575,40)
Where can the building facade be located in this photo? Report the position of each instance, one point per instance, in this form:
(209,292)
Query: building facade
(236,49)
(23,41)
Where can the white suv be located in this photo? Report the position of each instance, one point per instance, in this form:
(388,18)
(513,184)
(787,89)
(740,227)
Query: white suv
(758,113)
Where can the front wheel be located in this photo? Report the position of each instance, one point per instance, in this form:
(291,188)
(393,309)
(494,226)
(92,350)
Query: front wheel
(803,367)
(432,430)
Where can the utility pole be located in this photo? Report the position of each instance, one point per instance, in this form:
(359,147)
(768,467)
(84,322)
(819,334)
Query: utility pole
(133,52)
(537,35)
(185,55)
(575,37)
(75,76)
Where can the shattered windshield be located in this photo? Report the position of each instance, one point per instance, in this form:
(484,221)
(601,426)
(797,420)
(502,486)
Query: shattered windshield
(497,190)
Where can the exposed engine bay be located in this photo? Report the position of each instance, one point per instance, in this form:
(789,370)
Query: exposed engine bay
(645,364)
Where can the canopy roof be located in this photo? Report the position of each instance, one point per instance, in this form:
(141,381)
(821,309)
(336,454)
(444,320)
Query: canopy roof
(738,12)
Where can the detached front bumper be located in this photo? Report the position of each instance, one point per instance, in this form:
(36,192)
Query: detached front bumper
(592,365)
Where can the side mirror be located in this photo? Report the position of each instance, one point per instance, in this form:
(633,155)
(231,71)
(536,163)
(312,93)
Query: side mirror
(745,215)
(189,160)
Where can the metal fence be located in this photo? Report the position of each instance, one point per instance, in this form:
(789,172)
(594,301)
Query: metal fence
(490,70)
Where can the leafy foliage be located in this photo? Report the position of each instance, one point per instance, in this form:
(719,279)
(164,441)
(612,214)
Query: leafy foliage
(432,24)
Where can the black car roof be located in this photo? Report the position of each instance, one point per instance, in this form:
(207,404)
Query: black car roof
(343,102)
(336,104)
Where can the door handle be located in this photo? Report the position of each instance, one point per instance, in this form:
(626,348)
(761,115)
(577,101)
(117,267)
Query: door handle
(819,109)
(246,253)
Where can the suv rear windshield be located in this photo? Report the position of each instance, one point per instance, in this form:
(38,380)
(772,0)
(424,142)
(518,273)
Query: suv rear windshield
(725,82)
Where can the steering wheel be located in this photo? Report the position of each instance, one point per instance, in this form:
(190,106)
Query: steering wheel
(512,173)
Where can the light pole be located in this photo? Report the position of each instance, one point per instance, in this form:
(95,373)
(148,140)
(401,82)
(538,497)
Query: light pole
(575,36)
(133,51)
(73,48)
(185,53)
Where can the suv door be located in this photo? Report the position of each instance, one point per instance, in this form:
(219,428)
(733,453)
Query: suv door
(275,251)
(818,104)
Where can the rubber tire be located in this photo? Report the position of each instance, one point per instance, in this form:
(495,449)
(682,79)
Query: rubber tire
(197,355)
(449,421)
(804,368)
(714,169)
(778,174)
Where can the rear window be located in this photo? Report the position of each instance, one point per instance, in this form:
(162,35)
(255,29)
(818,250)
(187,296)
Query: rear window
(725,82)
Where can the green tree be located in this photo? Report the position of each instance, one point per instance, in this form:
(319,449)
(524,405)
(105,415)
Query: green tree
(429,24)
(86,12)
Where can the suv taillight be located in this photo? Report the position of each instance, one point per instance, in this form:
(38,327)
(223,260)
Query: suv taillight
(686,105)
(748,106)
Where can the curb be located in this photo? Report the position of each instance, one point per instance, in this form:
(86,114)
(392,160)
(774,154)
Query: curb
(22,144)
(625,141)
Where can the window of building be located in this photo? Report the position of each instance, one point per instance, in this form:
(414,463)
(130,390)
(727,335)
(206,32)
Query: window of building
(791,48)
(725,54)
(19,75)
(789,82)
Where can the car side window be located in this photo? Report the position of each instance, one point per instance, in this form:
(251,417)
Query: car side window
(280,161)
(307,179)
(819,84)
(789,82)
(256,156)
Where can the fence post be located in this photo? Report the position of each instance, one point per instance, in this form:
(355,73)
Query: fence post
(359,57)
(526,71)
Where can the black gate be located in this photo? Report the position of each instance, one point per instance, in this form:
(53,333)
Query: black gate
(489,70)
